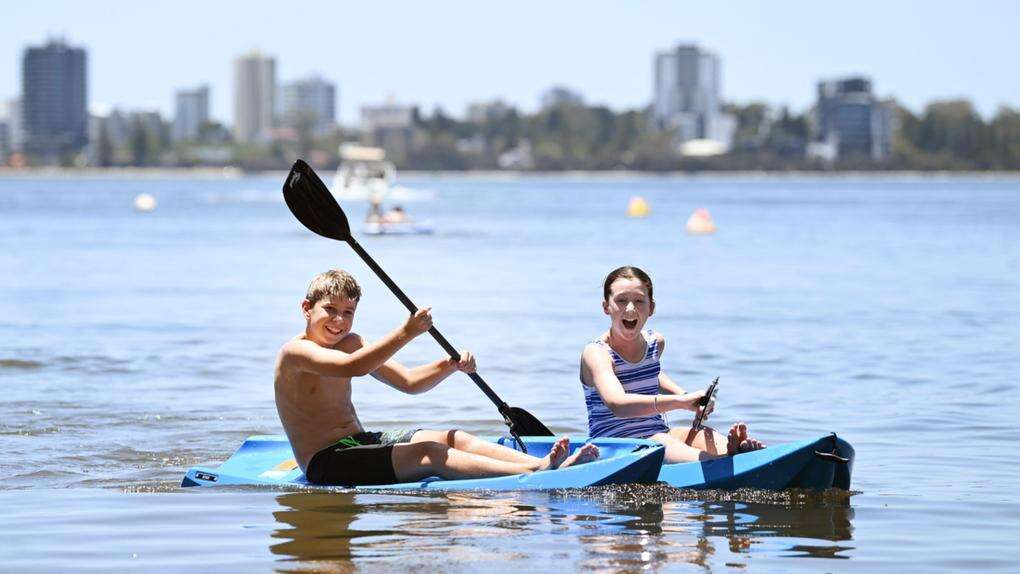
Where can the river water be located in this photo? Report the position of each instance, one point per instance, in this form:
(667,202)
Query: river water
(133,346)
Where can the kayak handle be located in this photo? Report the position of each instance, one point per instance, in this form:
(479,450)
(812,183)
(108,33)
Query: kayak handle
(831,457)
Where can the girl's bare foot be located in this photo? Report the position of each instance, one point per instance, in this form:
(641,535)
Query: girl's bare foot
(738,441)
(586,453)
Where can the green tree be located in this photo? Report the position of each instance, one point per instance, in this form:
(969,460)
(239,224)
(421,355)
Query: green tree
(104,147)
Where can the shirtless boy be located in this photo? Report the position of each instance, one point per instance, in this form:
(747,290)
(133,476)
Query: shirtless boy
(313,397)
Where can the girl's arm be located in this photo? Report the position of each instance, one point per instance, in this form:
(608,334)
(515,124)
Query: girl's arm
(597,368)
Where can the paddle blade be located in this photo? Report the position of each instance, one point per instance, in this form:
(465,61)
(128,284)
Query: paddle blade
(525,424)
(311,202)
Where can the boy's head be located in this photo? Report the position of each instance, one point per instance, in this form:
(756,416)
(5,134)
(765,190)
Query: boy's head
(333,283)
(329,306)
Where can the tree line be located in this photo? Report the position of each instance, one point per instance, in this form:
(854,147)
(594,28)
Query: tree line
(945,135)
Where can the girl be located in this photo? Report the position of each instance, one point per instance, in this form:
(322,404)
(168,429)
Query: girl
(622,378)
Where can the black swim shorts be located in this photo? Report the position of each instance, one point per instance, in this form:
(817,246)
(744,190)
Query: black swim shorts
(365,458)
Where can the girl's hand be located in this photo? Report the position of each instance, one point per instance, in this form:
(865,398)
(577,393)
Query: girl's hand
(419,323)
(695,397)
(466,363)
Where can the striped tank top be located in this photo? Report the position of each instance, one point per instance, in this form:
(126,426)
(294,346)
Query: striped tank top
(640,378)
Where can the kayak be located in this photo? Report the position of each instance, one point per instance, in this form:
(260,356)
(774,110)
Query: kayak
(268,460)
(819,463)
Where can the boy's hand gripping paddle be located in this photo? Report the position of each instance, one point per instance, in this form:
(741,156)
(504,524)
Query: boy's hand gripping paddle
(703,402)
(311,202)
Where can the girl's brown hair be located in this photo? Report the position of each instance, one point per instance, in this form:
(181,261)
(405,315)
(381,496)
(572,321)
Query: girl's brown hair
(627,272)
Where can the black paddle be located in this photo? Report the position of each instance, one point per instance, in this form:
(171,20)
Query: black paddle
(703,402)
(311,202)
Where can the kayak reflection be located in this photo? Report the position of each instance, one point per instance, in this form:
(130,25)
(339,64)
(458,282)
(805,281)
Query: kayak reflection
(628,527)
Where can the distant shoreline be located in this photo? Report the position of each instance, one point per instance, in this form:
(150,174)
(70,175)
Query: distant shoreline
(217,173)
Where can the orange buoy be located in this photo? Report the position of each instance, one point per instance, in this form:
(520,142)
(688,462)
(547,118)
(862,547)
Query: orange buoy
(700,222)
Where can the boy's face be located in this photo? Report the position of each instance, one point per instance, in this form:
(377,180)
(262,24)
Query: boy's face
(329,319)
(629,307)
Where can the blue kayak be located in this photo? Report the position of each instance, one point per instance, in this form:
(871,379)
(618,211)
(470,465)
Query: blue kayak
(819,463)
(268,460)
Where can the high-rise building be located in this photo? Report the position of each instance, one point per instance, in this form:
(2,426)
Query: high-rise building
(309,104)
(688,97)
(192,110)
(254,94)
(53,91)
(850,121)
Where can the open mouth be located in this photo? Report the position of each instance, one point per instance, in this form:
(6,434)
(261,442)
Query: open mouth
(332,331)
(629,324)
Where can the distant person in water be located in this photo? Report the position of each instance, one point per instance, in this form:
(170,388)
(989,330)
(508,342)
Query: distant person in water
(625,390)
(396,215)
(374,208)
(313,388)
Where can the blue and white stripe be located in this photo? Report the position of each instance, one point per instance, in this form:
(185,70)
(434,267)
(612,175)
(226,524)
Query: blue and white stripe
(640,378)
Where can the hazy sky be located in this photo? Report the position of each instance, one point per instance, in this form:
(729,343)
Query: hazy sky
(453,53)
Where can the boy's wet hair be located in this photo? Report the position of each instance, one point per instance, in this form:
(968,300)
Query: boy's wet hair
(627,272)
(333,283)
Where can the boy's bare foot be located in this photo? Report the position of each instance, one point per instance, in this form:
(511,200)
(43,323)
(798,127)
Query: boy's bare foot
(557,454)
(738,441)
(586,453)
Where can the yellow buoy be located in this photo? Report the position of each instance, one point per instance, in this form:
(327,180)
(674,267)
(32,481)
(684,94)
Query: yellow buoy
(145,203)
(638,207)
(700,222)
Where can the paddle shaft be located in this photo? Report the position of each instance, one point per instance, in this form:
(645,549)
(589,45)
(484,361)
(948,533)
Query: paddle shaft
(502,406)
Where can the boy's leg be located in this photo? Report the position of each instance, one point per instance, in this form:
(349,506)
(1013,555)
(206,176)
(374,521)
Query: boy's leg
(422,459)
(467,442)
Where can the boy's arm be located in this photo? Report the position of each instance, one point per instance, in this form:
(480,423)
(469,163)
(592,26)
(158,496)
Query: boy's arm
(425,377)
(305,355)
(597,364)
(665,383)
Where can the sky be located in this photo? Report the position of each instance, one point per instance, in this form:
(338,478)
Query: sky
(452,53)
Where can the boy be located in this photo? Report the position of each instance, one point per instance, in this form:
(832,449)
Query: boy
(313,397)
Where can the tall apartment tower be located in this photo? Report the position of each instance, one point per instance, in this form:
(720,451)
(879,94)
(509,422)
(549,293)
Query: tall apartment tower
(192,110)
(54,99)
(851,121)
(309,103)
(254,94)
(688,96)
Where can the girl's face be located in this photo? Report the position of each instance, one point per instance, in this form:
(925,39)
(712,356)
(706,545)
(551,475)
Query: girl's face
(628,307)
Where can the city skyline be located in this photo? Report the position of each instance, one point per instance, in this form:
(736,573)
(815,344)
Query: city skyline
(452,55)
